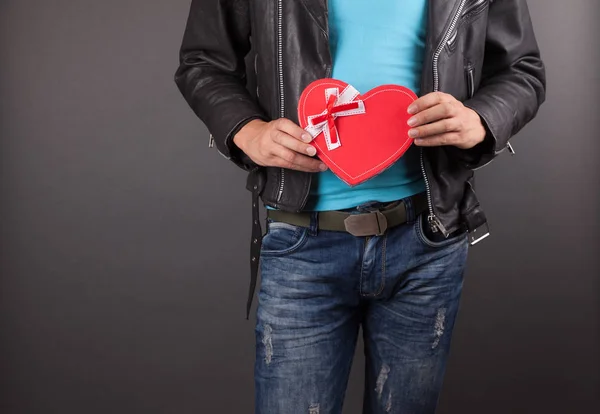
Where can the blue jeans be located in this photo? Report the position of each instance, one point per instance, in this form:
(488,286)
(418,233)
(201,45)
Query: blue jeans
(318,287)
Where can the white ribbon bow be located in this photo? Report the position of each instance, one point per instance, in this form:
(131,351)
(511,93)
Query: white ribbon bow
(338,104)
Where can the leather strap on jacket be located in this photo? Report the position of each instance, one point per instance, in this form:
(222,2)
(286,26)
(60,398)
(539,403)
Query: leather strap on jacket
(474,218)
(255,184)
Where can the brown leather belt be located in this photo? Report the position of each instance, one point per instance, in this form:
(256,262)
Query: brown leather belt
(373,223)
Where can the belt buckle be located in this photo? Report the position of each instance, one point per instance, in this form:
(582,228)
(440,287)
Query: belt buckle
(366,224)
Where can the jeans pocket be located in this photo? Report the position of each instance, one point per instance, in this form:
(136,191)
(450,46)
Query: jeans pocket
(436,240)
(282,238)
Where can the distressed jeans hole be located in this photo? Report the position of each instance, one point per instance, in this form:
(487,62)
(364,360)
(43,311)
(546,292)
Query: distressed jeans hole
(268,343)
(438,329)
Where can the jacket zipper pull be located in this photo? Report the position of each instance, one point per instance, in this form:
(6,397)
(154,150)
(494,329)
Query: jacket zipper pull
(436,225)
(510,148)
(211,141)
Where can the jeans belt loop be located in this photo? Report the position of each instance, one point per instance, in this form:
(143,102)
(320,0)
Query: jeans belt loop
(382,223)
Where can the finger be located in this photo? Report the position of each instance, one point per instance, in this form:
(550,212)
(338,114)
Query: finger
(429,100)
(433,114)
(439,140)
(305,169)
(436,128)
(287,158)
(283,138)
(292,129)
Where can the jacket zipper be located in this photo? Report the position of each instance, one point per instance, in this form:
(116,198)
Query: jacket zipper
(434,221)
(510,148)
(281,91)
(472,10)
(471,88)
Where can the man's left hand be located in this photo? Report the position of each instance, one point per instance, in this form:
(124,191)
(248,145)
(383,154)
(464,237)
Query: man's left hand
(440,119)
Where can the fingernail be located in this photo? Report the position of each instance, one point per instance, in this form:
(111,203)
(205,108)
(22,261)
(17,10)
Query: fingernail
(322,167)
(311,151)
(306,138)
(412,109)
(413,133)
(412,121)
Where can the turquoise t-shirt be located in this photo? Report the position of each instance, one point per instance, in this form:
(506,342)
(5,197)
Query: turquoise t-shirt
(375,43)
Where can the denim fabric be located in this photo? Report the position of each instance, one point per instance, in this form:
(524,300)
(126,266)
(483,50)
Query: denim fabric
(318,287)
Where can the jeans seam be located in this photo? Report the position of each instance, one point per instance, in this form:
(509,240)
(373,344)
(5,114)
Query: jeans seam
(383,264)
(362,267)
(302,232)
(382,283)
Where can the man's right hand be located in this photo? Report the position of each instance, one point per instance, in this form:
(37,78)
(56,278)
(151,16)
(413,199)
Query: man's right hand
(279,143)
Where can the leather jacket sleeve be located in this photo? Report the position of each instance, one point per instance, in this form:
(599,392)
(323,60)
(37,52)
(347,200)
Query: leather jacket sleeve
(212,73)
(513,80)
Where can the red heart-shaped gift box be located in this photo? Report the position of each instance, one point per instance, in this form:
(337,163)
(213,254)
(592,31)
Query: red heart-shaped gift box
(368,142)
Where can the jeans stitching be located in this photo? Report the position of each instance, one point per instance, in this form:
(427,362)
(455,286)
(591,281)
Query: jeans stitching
(382,283)
(301,242)
(381,286)
(362,267)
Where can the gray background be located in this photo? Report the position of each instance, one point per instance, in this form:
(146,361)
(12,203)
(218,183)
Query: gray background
(124,239)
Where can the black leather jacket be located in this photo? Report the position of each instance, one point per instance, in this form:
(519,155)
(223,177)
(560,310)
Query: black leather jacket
(483,52)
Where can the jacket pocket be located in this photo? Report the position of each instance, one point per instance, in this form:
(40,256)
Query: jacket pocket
(473,7)
(472,213)
(470,76)
(256,75)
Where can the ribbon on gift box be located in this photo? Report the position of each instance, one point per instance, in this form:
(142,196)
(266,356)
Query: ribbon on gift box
(337,104)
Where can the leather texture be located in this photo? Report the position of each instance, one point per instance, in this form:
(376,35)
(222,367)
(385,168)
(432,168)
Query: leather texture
(488,59)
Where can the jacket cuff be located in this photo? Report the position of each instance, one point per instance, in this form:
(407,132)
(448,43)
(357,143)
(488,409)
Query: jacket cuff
(484,152)
(480,154)
(233,152)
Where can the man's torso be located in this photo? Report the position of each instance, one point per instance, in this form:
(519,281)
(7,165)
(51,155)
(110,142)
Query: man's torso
(374,44)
